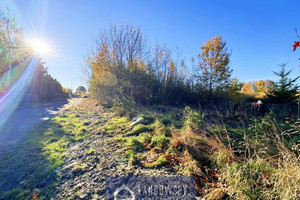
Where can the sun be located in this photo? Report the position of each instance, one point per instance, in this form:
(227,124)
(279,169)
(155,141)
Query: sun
(39,46)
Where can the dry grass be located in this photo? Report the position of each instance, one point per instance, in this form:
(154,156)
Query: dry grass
(257,159)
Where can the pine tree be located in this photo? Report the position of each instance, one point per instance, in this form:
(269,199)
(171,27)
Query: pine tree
(285,90)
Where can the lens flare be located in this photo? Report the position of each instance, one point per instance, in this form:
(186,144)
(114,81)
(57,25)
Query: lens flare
(39,46)
(10,97)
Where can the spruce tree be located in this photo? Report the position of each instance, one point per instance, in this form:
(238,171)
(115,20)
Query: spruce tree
(285,90)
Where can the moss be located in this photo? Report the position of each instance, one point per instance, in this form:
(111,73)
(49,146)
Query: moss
(144,138)
(140,128)
(133,157)
(160,141)
(160,161)
(119,120)
(79,169)
(148,119)
(134,143)
(116,124)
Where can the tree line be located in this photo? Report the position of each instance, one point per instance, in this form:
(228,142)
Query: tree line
(125,68)
(15,56)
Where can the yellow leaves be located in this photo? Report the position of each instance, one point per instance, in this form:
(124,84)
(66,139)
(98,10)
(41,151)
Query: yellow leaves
(141,64)
(160,57)
(172,67)
(246,88)
(137,63)
(255,88)
(65,90)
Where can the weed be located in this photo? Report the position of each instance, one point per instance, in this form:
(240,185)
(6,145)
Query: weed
(144,138)
(160,141)
(91,151)
(133,143)
(17,194)
(160,161)
(193,119)
(140,128)
(148,119)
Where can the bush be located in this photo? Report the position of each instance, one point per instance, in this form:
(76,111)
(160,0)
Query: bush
(193,119)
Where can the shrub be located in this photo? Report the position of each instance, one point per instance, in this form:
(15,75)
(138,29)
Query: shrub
(193,119)
(166,121)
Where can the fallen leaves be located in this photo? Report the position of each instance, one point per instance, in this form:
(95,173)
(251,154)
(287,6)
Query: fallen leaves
(266,175)
(173,158)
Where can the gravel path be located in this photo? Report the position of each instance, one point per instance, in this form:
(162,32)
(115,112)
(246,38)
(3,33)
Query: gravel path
(82,175)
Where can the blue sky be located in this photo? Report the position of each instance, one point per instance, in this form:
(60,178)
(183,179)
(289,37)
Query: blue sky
(260,33)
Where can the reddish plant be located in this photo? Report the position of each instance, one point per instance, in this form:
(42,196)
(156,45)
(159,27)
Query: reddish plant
(34,196)
(296,44)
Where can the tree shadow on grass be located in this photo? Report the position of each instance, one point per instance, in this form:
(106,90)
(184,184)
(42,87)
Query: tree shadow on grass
(28,171)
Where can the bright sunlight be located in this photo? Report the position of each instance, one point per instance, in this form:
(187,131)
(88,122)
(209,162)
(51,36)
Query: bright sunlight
(39,46)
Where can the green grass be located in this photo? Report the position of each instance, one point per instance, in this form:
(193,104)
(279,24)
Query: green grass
(133,143)
(160,161)
(160,141)
(148,119)
(140,128)
(144,138)
(61,131)
(41,153)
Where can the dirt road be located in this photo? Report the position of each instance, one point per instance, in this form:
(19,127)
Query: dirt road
(26,118)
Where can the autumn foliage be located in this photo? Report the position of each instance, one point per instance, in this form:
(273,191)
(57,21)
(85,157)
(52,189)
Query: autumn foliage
(296,44)
(125,68)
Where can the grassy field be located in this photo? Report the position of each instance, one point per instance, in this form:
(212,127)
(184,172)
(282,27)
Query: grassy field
(250,158)
(255,158)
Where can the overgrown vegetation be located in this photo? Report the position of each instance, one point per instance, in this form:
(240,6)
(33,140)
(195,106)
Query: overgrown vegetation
(234,149)
(255,158)
(125,69)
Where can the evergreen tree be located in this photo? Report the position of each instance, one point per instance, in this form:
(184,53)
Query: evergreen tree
(44,85)
(285,90)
